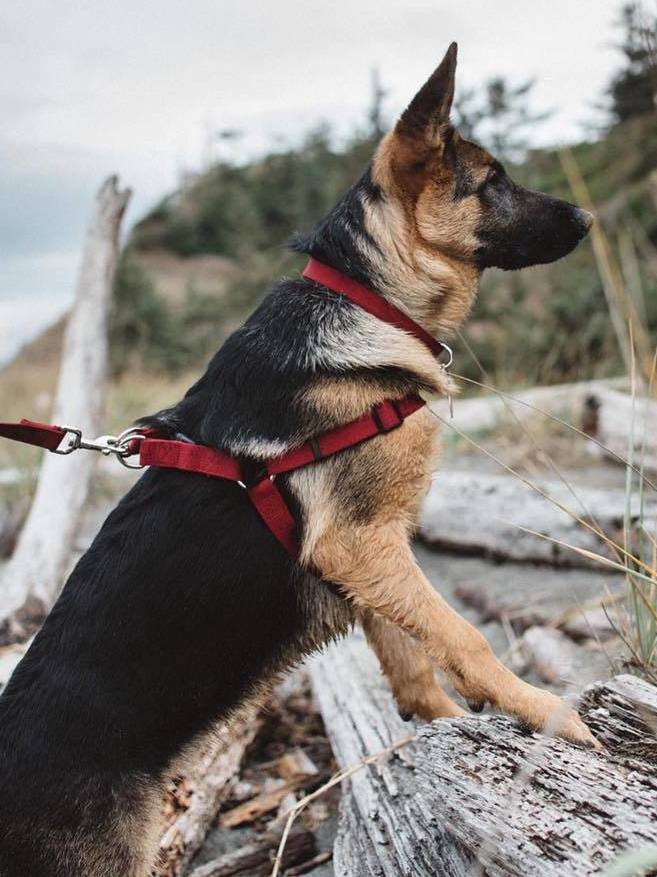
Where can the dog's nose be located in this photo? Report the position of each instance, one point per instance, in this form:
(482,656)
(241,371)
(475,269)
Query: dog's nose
(585,218)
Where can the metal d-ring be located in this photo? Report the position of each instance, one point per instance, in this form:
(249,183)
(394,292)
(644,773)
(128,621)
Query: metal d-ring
(447,349)
(123,442)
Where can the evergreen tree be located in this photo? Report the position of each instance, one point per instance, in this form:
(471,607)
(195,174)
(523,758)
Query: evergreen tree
(633,90)
(498,116)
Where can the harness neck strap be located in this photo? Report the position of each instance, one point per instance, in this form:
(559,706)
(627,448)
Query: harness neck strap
(371,302)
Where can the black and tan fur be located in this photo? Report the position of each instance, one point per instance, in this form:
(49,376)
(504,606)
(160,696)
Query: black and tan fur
(185,604)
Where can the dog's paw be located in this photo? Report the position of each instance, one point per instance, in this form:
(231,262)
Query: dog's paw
(535,709)
(428,704)
(542,711)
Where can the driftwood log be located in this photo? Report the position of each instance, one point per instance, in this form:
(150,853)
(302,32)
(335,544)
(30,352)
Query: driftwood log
(491,410)
(478,513)
(604,410)
(39,563)
(207,782)
(255,859)
(478,795)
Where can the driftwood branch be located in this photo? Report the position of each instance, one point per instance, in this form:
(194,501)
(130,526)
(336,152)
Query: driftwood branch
(38,565)
(492,514)
(478,793)
(207,783)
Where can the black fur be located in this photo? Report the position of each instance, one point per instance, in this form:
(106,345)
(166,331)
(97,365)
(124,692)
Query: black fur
(159,630)
(185,600)
(337,240)
(522,228)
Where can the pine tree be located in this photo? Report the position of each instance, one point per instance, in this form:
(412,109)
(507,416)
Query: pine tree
(633,90)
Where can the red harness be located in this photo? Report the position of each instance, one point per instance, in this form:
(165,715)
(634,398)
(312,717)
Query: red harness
(262,489)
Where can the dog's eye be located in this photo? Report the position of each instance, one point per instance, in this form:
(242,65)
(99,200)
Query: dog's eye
(493,175)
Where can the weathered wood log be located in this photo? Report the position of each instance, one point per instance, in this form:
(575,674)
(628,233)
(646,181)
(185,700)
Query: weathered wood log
(480,513)
(604,410)
(268,801)
(255,859)
(38,565)
(489,411)
(557,660)
(479,793)
(621,422)
(207,783)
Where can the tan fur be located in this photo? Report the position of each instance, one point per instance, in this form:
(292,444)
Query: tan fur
(408,669)
(426,238)
(358,510)
(371,560)
(342,400)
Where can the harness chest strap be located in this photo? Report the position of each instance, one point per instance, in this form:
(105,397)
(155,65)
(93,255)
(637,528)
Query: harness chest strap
(189,457)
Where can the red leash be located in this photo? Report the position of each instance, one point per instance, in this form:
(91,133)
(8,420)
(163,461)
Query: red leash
(263,492)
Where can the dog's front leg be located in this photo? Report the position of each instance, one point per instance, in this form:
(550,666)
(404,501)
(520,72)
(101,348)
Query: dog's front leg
(376,569)
(409,671)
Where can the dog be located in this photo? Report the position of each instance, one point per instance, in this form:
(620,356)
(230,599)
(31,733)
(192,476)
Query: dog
(186,606)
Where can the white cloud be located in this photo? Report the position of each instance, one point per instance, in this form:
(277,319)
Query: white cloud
(90,88)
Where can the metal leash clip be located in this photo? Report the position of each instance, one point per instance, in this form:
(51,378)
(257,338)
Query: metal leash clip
(120,445)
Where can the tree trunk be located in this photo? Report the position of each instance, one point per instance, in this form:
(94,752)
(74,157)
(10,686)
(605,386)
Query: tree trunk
(37,568)
(479,793)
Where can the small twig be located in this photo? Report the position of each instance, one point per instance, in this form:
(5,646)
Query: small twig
(335,779)
(310,865)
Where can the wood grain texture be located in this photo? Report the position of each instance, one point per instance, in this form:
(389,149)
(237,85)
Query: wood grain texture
(208,779)
(39,563)
(480,513)
(478,792)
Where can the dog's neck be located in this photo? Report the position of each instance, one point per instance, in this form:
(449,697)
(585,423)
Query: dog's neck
(367,238)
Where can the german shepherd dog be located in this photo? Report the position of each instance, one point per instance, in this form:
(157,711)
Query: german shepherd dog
(186,606)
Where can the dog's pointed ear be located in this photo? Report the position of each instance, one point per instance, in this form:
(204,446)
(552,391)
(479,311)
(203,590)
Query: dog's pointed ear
(427,115)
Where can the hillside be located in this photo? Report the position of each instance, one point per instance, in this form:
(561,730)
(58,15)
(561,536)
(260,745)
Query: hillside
(243,215)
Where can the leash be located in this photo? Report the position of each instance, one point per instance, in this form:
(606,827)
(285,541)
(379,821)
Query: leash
(189,457)
(257,478)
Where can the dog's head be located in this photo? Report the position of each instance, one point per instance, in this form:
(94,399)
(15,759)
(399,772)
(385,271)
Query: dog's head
(456,200)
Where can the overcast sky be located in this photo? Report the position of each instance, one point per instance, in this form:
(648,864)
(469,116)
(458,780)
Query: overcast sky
(137,86)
